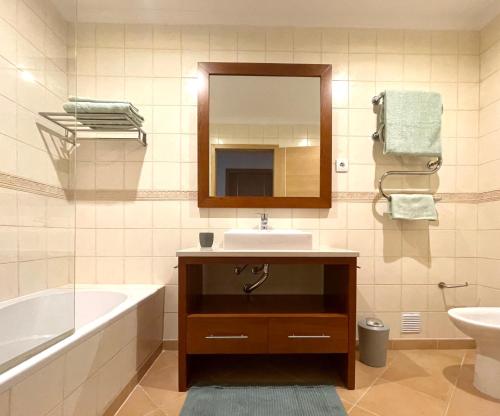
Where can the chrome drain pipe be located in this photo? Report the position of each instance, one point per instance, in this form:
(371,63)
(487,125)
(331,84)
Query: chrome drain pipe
(250,287)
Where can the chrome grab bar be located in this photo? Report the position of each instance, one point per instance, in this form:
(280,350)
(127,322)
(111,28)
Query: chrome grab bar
(308,336)
(443,285)
(226,337)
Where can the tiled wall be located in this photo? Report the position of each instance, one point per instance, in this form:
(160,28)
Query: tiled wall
(489,166)
(122,239)
(36,230)
(284,135)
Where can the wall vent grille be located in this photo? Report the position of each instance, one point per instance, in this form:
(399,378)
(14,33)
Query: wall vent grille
(411,323)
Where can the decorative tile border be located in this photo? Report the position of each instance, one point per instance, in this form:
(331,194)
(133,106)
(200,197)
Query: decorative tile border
(18,183)
(27,185)
(131,195)
(490,196)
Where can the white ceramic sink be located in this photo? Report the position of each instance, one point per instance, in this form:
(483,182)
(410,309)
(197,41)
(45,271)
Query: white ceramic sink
(267,240)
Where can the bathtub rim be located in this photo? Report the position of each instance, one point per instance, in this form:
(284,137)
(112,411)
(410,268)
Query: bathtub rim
(136,295)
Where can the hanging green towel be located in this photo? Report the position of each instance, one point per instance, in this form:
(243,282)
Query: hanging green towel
(412,123)
(413,207)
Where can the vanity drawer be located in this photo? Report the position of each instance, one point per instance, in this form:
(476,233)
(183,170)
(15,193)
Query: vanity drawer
(226,335)
(308,335)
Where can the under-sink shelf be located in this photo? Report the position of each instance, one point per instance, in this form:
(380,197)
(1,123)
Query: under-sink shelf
(265,305)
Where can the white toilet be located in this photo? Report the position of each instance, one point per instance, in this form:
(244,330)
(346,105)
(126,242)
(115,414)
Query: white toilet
(482,324)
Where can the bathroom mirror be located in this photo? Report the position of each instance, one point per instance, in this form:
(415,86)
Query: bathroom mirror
(264,135)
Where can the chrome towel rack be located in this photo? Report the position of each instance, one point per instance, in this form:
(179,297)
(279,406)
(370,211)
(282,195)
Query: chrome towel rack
(433,165)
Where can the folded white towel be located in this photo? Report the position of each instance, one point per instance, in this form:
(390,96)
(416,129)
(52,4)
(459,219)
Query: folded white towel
(413,207)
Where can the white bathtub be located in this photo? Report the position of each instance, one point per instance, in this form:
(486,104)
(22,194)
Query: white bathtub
(108,319)
(31,322)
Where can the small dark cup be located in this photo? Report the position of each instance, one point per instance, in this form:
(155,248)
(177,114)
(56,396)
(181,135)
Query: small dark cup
(206,240)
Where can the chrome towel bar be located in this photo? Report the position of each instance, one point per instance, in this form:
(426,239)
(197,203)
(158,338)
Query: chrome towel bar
(433,166)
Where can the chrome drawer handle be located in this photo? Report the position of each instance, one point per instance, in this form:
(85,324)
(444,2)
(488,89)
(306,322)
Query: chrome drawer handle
(226,337)
(308,336)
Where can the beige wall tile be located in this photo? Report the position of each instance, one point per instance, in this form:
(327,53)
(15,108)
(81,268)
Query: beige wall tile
(444,42)
(138,62)
(138,36)
(251,39)
(444,68)
(166,63)
(362,41)
(335,40)
(194,38)
(110,242)
(362,67)
(110,61)
(307,40)
(390,41)
(468,42)
(166,37)
(223,38)
(387,298)
(417,42)
(110,36)
(468,68)
(109,270)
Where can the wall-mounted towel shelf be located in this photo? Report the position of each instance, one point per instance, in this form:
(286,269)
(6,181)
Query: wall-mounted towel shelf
(88,124)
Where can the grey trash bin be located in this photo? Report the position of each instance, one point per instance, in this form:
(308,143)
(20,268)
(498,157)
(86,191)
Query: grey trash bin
(373,337)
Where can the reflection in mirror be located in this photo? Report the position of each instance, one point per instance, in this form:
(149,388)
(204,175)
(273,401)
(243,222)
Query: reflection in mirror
(264,136)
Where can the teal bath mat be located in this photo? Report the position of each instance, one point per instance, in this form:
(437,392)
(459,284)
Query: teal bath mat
(263,401)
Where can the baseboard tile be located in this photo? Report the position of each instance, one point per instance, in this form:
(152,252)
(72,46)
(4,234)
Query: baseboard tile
(456,344)
(171,345)
(431,344)
(122,396)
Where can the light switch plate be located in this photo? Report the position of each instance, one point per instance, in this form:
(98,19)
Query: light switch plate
(342,165)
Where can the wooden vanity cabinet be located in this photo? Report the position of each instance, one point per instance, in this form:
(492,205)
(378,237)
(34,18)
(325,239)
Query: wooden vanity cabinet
(212,325)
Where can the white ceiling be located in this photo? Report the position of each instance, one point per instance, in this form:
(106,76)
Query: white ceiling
(400,14)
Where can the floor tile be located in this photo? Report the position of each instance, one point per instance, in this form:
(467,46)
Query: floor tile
(174,407)
(390,399)
(137,404)
(414,383)
(434,374)
(467,400)
(358,411)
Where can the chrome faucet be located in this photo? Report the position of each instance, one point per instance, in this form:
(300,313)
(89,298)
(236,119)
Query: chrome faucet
(263,221)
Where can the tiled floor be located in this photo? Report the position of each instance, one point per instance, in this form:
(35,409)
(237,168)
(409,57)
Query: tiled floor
(416,382)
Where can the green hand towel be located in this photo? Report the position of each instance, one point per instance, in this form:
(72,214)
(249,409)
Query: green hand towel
(76,99)
(412,123)
(413,207)
(104,108)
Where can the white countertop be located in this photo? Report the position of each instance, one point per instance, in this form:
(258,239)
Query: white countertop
(220,252)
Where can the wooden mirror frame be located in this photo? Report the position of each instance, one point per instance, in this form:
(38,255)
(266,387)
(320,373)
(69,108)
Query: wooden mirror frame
(324,72)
